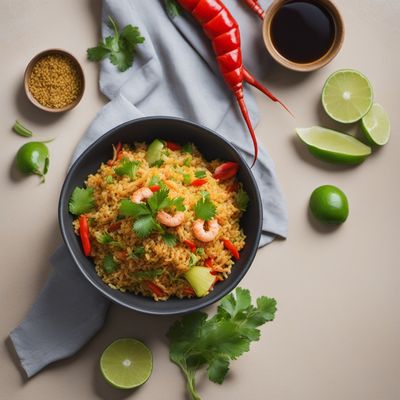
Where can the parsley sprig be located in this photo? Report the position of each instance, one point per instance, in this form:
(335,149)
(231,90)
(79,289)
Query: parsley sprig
(197,341)
(145,213)
(120,48)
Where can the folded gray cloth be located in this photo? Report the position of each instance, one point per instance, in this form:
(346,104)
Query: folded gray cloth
(174,73)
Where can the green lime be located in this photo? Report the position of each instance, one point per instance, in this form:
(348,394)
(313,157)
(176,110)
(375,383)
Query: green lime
(347,95)
(376,125)
(329,204)
(33,158)
(126,363)
(332,146)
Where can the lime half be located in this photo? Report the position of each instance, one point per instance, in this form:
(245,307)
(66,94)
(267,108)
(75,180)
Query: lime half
(333,146)
(376,125)
(347,96)
(126,363)
(329,205)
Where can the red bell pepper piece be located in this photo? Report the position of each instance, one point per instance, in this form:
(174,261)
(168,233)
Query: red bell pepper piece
(155,289)
(154,188)
(173,146)
(84,234)
(190,244)
(232,248)
(226,171)
(199,182)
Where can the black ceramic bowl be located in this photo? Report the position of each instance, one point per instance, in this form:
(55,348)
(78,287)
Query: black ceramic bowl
(212,146)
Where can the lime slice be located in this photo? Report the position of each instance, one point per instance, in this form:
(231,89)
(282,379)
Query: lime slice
(332,146)
(376,125)
(329,205)
(347,95)
(126,363)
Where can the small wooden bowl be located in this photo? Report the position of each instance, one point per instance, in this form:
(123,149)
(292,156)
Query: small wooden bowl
(28,72)
(314,65)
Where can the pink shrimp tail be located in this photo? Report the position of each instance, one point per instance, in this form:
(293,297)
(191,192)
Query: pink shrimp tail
(252,81)
(245,113)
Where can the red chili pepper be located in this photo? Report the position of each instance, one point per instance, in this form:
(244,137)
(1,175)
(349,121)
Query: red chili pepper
(232,248)
(84,234)
(155,289)
(226,171)
(173,146)
(154,188)
(190,244)
(209,262)
(222,29)
(256,7)
(189,291)
(199,182)
(117,153)
(114,227)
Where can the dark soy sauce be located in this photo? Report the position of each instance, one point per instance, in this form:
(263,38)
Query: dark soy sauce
(302,31)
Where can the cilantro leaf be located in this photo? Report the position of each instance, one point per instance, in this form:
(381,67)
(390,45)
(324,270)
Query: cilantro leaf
(200,251)
(82,201)
(187,148)
(205,209)
(187,161)
(120,48)
(150,274)
(156,180)
(200,174)
(104,238)
(109,264)
(170,239)
(178,204)
(242,198)
(159,200)
(128,208)
(197,341)
(187,179)
(128,168)
(109,179)
(173,9)
(138,252)
(143,226)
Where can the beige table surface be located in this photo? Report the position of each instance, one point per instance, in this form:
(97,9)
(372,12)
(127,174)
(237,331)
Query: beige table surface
(337,332)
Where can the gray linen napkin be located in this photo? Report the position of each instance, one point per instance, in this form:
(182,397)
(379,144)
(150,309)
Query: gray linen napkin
(175,74)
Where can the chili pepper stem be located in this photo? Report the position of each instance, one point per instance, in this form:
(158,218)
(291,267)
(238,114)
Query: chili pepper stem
(245,113)
(253,81)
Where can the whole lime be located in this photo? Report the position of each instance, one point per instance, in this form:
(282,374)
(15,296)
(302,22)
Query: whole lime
(329,205)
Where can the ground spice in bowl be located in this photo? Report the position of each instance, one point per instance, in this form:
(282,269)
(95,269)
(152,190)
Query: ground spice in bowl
(54,81)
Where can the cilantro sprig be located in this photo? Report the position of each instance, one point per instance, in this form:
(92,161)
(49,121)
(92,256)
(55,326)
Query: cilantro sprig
(242,199)
(81,201)
(196,341)
(145,213)
(120,48)
(128,168)
(205,209)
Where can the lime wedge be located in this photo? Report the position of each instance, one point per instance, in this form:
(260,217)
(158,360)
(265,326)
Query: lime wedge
(126,363)
(347,95)
(376,125)
(332,146)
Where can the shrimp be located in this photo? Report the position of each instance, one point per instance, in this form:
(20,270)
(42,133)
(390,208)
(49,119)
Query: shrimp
(170,220)
(141,194)
(205,235)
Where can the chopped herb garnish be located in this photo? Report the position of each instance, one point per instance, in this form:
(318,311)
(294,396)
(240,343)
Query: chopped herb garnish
(109,179)
(187,161)
(200,251)
(150,274)
(104,238)
(156,180)
(187,179)
(205,209)
(109,264)
(128,168)
(120,48)
(178,204)
(145,225)
(137,252)
(170,239)
(242,198)
(192,260)
(157,163)
(82,201)
(187,148)
(200,174)
(128,208)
